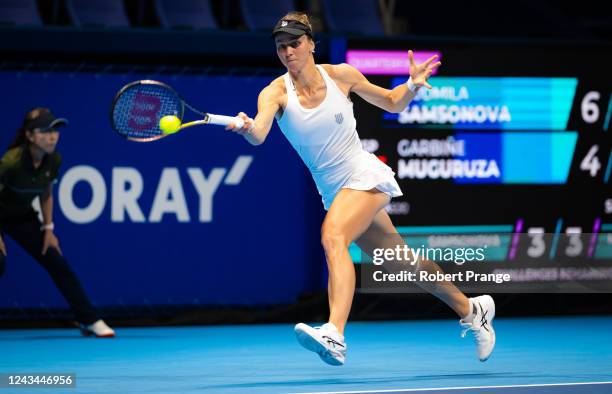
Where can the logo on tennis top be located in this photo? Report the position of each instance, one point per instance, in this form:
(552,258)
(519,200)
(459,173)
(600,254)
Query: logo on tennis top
(339,118)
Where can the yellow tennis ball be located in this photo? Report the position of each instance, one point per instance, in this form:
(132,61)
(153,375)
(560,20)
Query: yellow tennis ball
(169,124)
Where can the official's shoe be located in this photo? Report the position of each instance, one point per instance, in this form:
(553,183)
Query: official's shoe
(99,329)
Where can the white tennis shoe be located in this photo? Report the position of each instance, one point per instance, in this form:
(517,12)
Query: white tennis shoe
(326,341)
(99,329)
(483,311)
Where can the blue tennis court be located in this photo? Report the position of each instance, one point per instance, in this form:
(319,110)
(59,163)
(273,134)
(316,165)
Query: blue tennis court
(533,355)
(188,175)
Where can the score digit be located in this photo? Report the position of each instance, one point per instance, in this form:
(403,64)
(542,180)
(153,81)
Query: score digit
(588,107)
(591,162)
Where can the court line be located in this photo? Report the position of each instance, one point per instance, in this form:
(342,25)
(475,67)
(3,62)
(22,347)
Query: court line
(456,388)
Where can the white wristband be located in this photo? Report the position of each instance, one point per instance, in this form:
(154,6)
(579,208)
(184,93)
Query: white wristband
(411,86)
(48,226)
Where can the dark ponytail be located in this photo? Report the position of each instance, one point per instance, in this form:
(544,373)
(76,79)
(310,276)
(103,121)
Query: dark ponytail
(20,136)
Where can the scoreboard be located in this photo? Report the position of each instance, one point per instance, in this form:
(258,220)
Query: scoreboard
(511,148)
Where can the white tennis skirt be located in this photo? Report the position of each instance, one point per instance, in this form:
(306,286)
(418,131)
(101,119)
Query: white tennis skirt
(367,173)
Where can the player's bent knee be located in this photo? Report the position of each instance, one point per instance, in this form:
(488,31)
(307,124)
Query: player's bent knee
(333,238)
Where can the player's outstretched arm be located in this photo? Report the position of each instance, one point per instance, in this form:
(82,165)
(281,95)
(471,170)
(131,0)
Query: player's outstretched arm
(391,100)
(256,130)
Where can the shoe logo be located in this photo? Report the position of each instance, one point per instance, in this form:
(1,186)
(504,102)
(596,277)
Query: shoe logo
(483,320)
(331,341)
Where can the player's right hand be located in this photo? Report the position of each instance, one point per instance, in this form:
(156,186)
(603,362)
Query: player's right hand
(246,128)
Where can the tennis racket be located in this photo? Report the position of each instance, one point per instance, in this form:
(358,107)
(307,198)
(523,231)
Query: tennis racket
(140,105)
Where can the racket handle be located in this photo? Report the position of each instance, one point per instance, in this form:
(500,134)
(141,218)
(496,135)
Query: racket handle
(223,120)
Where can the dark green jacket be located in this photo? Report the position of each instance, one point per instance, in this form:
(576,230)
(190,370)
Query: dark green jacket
(20,182)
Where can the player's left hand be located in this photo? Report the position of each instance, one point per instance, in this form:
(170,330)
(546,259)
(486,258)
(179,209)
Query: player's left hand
(50,241)
(421,72)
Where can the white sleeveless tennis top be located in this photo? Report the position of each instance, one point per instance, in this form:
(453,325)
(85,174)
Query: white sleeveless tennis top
(326,139)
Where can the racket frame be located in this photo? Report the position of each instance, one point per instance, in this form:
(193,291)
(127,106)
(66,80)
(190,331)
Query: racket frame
(207,118)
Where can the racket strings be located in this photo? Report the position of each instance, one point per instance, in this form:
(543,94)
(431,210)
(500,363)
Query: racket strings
(139,108)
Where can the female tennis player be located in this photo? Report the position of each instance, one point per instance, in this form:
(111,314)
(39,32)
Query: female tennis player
(312,108)
(27,170)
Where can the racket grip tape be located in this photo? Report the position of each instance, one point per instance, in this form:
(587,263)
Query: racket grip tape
(223,120)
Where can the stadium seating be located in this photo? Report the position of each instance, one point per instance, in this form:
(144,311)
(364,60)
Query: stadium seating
(263,14)
(195,14)
(19,12)
(352,16)
(97,13)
